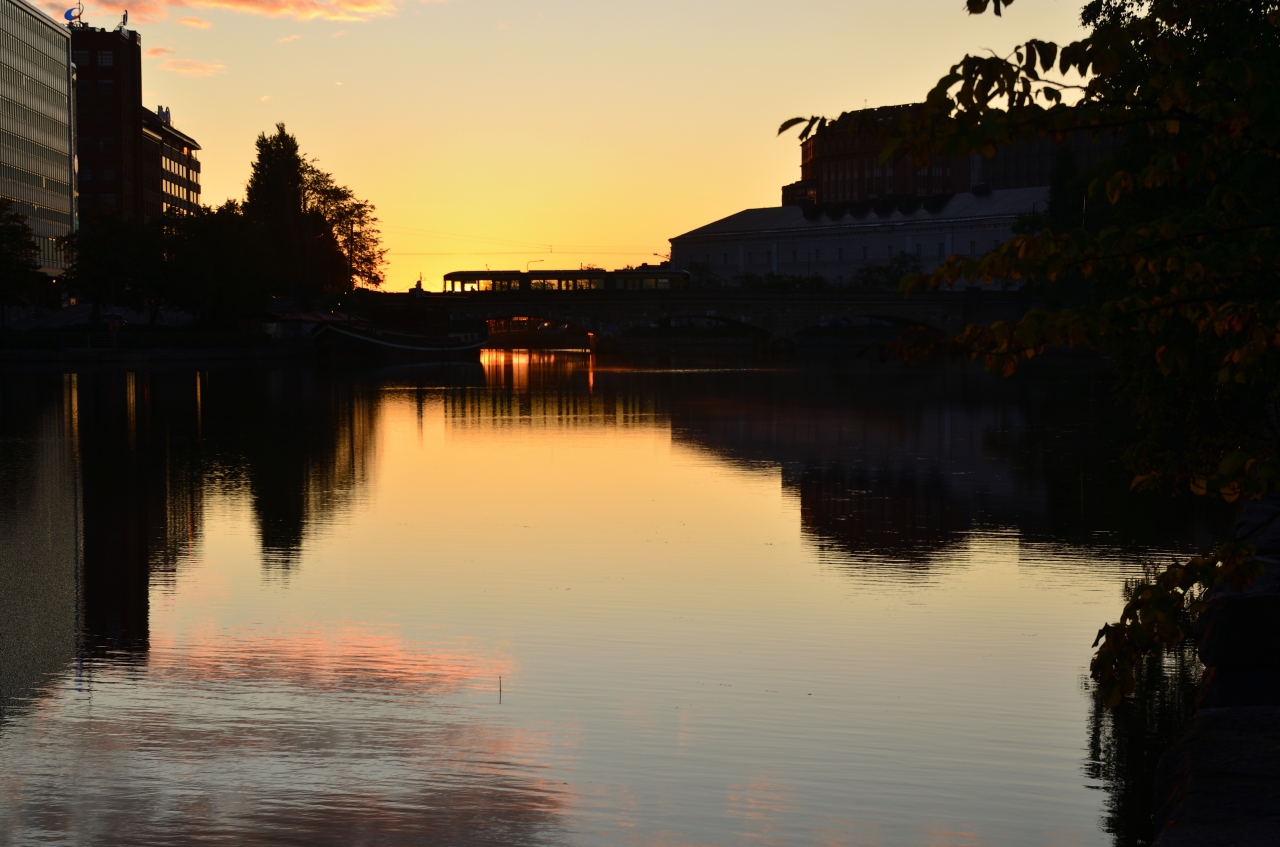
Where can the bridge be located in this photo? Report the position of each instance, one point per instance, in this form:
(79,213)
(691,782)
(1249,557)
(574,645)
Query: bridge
(772,315)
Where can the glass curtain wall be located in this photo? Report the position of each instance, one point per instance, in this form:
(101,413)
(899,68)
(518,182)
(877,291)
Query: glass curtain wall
(37,164)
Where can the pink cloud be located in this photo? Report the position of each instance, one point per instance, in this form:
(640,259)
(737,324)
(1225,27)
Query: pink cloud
(144,11)
(190,67)
(305,10)
(157,52)
(339,33)
(287,39)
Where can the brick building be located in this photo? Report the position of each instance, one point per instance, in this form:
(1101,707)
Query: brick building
(132,160)
(840,163)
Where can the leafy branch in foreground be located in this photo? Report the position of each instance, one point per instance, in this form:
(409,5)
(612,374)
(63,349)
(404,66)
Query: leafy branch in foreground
(1165,257)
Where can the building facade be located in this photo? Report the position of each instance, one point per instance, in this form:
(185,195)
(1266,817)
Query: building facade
(133,162)
(171,168)
(840,163)
(109,118)
(785,241)
(37,126)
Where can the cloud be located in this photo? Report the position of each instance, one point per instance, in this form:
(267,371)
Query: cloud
(265,98)
(303,10)
(144,11)
(190,67)
(287,39)
(503,27)
(157,52)
(339,33)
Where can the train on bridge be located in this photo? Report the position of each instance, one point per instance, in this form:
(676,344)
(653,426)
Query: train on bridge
(643,278)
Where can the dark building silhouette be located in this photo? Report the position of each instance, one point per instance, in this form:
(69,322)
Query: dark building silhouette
(36,126)
(840,163)
(109,118)
(132,160)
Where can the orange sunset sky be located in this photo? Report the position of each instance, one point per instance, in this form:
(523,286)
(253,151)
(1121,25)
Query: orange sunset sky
(499,132)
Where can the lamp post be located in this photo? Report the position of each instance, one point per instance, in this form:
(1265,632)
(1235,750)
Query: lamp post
(530,262)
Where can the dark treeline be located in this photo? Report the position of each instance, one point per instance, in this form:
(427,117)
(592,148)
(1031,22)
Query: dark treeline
(298,234)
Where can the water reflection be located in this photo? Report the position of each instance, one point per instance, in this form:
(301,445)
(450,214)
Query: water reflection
(278,602)
(39,535)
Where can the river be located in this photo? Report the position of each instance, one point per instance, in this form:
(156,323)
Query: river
(543,600)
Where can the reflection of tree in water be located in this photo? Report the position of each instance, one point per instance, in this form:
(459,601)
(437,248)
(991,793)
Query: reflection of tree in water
(149,445)
(1125,745)
(302,441)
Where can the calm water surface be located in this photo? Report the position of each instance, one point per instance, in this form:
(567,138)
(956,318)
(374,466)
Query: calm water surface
(541,601)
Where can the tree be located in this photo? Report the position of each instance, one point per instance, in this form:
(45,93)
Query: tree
(1175,269)
(319,235)
(353,221)
(18,254)
(213,265)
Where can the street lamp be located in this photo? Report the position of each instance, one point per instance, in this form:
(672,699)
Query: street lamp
(530,262)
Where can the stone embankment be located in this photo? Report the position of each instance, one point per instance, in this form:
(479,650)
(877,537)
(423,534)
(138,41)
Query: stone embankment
(1220,784)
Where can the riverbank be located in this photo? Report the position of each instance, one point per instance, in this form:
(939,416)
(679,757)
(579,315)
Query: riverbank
(1220,784)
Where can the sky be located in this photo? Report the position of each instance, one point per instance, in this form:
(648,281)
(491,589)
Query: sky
(543,133)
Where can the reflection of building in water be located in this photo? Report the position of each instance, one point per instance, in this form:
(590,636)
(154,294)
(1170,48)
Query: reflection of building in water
(895,463)
(141,494)
(889,463)
(544,389)
(39,535)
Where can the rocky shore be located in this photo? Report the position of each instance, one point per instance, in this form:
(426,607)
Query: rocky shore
(1220,784)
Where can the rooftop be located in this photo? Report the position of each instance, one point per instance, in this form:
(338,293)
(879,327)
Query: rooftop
(793,219)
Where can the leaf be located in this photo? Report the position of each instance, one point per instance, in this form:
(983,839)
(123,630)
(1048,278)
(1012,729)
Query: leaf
(786,125)
(1142,480)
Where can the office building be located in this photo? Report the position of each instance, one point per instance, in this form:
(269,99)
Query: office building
(133,162)
(37,127)
(171,168)
(109,119)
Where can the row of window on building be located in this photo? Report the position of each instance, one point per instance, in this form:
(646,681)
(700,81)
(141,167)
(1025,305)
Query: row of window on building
(131,160)
(865,253)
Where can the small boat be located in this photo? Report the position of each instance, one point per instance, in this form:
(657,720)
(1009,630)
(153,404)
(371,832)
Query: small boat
(462,343)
